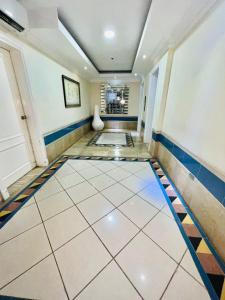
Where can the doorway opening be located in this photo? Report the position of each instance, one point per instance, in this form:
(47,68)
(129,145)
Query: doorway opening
(150,105)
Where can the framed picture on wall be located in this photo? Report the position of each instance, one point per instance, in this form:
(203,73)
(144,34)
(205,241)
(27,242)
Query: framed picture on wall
(71,91)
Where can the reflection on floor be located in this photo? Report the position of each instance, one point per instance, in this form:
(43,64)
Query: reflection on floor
(80,148)
(97,230)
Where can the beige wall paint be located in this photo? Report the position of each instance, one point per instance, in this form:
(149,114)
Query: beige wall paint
(195,109)
(133,105)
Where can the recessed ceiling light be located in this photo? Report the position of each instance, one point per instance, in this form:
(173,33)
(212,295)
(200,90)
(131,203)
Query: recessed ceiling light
(135,74)
(85,68)
(8,13)
(109,34)
(144,56)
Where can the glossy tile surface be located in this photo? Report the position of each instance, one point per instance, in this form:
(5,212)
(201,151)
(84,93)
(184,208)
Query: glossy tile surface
(112,138)
(96,230)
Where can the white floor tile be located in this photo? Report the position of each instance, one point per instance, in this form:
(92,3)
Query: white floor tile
(22,252)
(165,232)
(65,170)
(95,207)
(54,204)
(166,210)
(133,167)
(138,211)
(101,182)
(112,138)
(106,166)
(29,202)
(184,287)
(40,282)
(20,222)
(70,180)
(78,165)
(146,174)
(117,194)
(118,174)
(134,183)
(119,163)
(110,284)
(147,266)
(188,264)
(90,172)
(48,189)
(81,192)
(65,226)
(80,260)
(115,231)
(154,195)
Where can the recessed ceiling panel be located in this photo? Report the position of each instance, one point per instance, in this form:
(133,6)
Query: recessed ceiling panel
(87,20)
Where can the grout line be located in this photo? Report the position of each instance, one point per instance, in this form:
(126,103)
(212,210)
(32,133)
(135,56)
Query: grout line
(21,274)
(106,250)
(171,278)
(92,279)
(53,253)
(90,226)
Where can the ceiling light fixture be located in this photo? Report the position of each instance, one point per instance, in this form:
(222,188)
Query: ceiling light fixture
(135,74)
(8,13)
(109,34)
(85,68)
(144,56)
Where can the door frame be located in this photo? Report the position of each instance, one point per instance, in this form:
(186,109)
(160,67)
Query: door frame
(35,136)
(150,103)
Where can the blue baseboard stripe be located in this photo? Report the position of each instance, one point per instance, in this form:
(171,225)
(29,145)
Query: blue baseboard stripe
(61,132)
(212,182)
(120,118)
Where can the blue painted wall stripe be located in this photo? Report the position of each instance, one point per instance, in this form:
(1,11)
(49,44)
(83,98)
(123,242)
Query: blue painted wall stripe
(119,118)
(212,182)
(51,137)
(61,132)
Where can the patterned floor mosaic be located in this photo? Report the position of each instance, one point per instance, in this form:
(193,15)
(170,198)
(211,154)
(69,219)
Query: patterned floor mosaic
(207,261)
(95,139)
(209,265)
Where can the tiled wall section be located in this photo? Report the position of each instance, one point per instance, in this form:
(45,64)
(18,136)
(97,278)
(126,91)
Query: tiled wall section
(207,209)
(120,122)
(57,142)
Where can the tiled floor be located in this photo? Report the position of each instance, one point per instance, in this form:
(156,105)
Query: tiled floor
(108,138)
(97,230)
(80,148)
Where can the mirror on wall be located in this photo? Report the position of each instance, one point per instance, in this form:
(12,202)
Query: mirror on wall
(114,99)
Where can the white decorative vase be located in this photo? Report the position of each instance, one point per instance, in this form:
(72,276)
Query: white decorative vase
(97,123)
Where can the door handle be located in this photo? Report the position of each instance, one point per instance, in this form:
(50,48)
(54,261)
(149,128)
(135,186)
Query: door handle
(24,117)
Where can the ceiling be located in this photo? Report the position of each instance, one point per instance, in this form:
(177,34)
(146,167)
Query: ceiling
(138,31)
(87,20)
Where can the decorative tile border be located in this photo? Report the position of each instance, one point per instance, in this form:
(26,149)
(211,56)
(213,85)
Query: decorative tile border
(213,183)
(129,140)
(51,137)
(11,207)
(210,266)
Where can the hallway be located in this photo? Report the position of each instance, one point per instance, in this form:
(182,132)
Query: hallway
(112,149)
(98,224)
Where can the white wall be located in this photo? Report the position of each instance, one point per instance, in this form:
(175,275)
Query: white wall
(195,109)
(133,105)
(46,83)
(46,88)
